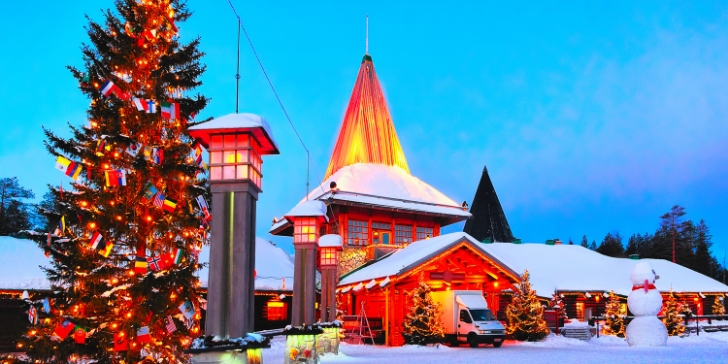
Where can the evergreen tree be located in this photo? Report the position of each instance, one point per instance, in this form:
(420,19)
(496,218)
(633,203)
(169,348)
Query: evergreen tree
(15,213)
(670,225)
(704,261)
(525,313)
(571,242)
(593,245)
(423,324)
(557,303)
(672,320)
(129,203)
(614,324)
(718,307)
(611,246)
(584,242)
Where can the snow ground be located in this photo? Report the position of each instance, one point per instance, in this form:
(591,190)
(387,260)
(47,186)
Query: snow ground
(706,348)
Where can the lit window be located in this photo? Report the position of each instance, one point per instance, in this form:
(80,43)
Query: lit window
(424,233)
(276,311)
(358,233)
(402,234)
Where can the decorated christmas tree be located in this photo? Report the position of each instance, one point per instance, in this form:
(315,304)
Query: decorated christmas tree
(525,313)
(672,320)
(718,306)
(614,324)
(423,324)
(557,303)
(124,254)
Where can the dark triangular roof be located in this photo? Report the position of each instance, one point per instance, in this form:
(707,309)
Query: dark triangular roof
(367,133)
(488,220)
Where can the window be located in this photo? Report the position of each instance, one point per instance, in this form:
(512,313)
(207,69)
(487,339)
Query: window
(381,232)
(424,233)
(381,226)
(402,234)
(276,311)
(465,317)
(358,233)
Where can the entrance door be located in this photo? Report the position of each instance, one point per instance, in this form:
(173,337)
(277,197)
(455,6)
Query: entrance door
(385,237)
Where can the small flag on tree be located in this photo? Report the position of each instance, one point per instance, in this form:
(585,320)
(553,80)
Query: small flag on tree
(149,192)
(169,324)
(106,250)
(108,88)
(151,106)
(120,343)
(202,202)
(155,263)
(33,315)
(166,109)
(174,111)
(115,177)
(143,335)
(158,200)
(61,228)
(63,329)
(158,155)
(69,167)
(101,245)
(79,336)
(133,149)
(140,265)
(141,104)
(46,305)
(169,205)
(100,146)
(177,256)
(187,309)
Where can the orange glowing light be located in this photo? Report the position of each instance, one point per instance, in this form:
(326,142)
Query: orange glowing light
(92,225)
(367,133)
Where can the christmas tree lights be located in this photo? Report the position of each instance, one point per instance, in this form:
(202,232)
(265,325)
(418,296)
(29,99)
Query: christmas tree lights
(673,320)
(422,324)
(525,313)
(614,324)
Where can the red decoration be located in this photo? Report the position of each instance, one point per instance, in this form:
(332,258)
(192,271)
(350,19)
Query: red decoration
(120,342)
(79,336)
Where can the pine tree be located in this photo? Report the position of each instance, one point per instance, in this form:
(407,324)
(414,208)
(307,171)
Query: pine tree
(672,320)
(129,204)
(525,313)
(15,214)
(611,246)
(718,307)
(557,303)
(614,324)
(423,324)
(584,242)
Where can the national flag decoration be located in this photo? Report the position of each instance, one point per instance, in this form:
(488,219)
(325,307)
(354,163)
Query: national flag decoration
(174,111)
(149,192)
(33,315)
(176,256)
(97,241)
(63,329)
(148,153)
(48,245)
(169,205)
(108,88)
(151,106)
(69,167)
(46,305)
(61,228)
(155,263)
(105,251)
(202,202)
(101,146)
(158,200)
(134,149)
(143,335)
(158,155)
(169,324)
(140,265)
(115,177)
(187,309)
(141,104)
(120,342)
(166,109)
(79,335)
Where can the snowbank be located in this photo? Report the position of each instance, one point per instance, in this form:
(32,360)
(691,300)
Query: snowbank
(21,261)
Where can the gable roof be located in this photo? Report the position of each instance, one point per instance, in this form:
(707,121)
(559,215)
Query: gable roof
(408,258)
(367,133)
(488,221)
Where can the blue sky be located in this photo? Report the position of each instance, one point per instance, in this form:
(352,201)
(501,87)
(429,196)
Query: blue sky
(591,117)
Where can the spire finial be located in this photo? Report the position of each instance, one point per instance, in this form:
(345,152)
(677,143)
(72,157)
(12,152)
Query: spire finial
(366,50)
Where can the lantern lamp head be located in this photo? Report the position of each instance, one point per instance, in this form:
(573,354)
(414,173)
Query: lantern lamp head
(330,247)
(306,218)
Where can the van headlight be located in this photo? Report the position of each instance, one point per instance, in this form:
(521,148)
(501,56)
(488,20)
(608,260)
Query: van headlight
(484,331)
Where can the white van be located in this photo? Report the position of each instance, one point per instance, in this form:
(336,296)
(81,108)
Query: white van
(466,318)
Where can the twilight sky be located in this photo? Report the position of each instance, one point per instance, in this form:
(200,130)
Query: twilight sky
(591,118)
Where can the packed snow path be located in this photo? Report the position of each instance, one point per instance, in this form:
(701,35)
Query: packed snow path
(706,348)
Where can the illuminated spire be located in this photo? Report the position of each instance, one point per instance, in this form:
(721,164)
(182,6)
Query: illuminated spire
(367,134)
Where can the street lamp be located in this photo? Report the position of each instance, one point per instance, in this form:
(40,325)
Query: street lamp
(596,298)
(306,217)
(235,143)
(330,247)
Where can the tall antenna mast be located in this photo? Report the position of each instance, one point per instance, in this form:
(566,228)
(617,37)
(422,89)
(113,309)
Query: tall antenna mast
(237,70)
(366,51)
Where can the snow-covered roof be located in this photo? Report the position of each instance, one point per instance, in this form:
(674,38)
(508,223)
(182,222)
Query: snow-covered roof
(21,261)
(405,259)
(330,240)
(575,268)
(273,266)
(256,124)
(308,208)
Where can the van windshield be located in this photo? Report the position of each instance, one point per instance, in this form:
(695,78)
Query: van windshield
(481,315)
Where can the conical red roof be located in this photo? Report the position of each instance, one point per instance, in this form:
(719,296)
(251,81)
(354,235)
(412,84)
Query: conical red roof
(367,134)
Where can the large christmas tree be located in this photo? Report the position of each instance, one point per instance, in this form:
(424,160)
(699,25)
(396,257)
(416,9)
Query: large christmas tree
(124,255)
(525,313)
(423,324)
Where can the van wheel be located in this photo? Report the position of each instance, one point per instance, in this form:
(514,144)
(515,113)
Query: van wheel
(472,340)
(497,345)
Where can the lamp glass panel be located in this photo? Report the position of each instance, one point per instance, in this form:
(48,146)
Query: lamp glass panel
(215,173)
(229,156)
(242,156)
(229,141)
(215,157)
(228,172)
(216,142)
(242,172)
(243,140)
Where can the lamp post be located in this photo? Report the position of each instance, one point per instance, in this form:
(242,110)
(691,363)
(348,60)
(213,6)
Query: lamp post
(236,143)
(596,298)
(306,217)
(330,247)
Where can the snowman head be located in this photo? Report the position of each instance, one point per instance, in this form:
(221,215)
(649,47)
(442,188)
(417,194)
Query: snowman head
(643,272)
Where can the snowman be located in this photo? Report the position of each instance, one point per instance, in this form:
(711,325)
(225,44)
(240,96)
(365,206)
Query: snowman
(645,302)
